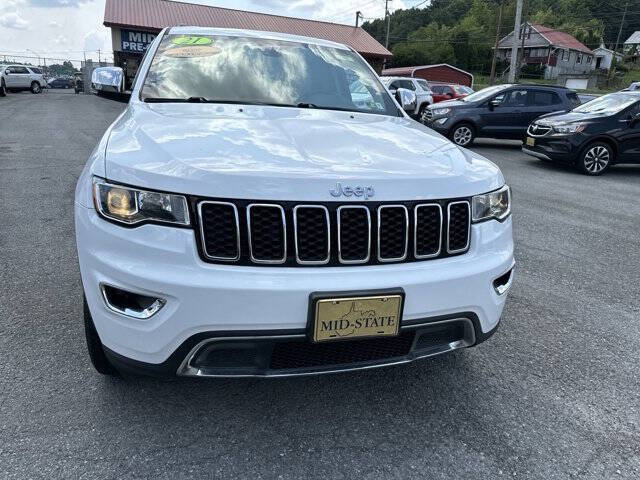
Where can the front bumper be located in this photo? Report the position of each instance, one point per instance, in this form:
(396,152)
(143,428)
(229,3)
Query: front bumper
(225,354)
(442,125)
(557,149)
(206,300)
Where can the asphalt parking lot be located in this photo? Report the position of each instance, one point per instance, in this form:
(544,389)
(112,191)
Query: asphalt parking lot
(555,394)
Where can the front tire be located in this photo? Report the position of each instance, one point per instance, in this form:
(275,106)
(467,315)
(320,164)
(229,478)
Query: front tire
(94,345)
(463,134)
(595,159)
(35,88)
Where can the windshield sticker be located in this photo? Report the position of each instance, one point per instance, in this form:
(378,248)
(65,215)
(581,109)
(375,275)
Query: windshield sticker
(192,51)
(187,40)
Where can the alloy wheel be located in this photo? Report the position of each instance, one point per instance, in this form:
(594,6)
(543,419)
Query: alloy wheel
(596,159)
(462,136)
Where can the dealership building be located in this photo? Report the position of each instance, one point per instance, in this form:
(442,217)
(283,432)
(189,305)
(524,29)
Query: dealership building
(135,23)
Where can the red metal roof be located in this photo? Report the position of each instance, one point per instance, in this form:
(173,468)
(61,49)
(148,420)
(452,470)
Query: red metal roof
(154,15)
(412,71)
(561,39)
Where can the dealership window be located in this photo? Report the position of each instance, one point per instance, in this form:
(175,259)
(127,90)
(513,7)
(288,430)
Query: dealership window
(565,55)
(579,58)
(588,59)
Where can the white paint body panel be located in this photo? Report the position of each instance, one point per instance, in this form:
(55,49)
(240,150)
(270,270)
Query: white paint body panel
(201,297)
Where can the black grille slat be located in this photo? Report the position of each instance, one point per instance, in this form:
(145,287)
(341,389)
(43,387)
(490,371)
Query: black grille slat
(393,233)
(267,233)
(312,234)
(428,230)
(458,232)
(291,355)
(220,230)
(354,234)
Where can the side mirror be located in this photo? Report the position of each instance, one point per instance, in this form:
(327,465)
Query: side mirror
(7,72)
(449,94)
(407,99)
(633,121)
(493,104)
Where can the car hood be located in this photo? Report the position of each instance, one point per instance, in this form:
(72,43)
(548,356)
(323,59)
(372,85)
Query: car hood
(567,117)
(280,153)
(450,103)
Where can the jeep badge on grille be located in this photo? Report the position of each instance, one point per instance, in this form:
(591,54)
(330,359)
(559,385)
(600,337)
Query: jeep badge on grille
(358,191)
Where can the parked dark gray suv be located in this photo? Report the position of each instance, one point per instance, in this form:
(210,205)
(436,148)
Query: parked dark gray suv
(501,111)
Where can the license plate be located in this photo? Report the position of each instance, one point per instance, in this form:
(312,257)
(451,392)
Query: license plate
(348,317)
(531,142)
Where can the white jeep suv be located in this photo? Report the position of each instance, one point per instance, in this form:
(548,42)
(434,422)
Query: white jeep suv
(23,77)
(246,216)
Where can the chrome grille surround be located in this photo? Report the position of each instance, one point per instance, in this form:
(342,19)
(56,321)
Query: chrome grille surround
(466,247)
(406,235)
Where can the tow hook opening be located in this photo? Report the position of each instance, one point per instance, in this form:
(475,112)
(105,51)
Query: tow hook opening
(503,282)
(130,304)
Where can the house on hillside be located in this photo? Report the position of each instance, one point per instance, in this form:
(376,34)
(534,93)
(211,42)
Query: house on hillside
(605,56)
(632,46)
(559,52)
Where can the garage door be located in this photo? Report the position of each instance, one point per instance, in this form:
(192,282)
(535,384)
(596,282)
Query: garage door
(577,83)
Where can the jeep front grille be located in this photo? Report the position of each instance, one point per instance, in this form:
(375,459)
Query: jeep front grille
(332,234)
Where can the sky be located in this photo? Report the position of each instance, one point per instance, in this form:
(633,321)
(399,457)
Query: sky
(71,29)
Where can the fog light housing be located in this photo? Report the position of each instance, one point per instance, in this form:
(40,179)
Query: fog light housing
(130,304)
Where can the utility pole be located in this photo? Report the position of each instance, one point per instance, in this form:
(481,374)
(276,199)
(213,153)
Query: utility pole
(492,77)
(388,17)
(624,15)
(99,59)
(358,16)
(525,27)
(514,47)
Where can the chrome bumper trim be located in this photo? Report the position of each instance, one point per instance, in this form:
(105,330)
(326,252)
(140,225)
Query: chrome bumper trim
(535,154)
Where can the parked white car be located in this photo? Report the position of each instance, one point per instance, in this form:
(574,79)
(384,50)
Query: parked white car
(23,77)
(251,214)
(3,82)
(419,86)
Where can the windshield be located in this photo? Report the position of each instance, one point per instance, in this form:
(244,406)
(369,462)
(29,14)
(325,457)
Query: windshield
(485,93)
(424,85)
(462,90)
(227,69)
(612,103)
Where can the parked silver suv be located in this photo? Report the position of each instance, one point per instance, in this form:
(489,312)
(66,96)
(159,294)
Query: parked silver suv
(22,77)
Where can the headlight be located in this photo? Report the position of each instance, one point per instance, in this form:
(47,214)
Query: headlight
(441,111)
(569,128)
(132,206)
(493,205)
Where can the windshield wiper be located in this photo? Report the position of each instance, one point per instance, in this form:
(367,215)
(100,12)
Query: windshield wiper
(175,100)
(323,107)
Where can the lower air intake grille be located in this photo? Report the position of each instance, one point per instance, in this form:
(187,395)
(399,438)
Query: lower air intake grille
(306,355)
